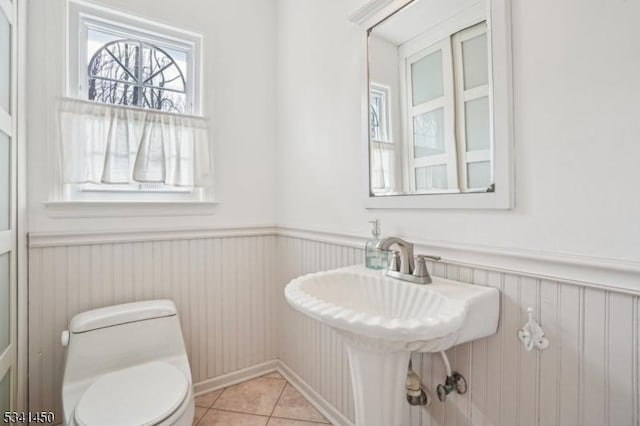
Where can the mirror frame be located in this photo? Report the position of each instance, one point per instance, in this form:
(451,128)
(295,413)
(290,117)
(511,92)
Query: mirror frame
(376,11)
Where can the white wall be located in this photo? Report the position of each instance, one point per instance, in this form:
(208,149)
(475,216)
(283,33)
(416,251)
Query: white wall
(239,99)
(576,87)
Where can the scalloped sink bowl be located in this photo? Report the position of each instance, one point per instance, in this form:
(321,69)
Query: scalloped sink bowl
(392,315)
(384,320)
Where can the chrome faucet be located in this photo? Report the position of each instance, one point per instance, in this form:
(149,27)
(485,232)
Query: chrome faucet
(402,265)
(406,253)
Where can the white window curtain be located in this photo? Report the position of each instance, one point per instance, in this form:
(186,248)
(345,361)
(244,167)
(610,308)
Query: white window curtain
(111,144)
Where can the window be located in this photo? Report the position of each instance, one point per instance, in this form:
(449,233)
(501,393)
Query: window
(378,110)
(130,127)
(121,60)
(382,144)
(132,72)
(448,114)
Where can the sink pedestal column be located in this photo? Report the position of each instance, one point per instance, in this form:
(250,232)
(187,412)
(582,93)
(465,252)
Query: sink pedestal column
(378,379)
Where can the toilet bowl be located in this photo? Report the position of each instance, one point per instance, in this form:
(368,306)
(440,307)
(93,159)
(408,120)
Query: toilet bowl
(127,365)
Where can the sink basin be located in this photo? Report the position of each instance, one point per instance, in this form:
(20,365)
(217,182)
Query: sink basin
(384,320)
(393,315)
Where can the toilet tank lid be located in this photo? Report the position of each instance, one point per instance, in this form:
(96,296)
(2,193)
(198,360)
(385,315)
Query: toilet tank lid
(121,314)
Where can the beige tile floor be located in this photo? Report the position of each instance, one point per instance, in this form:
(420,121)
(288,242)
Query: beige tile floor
(265,401)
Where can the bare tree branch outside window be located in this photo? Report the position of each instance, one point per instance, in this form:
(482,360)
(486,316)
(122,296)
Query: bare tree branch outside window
(135,73)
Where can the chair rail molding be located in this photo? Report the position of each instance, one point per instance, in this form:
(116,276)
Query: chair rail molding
(596,272)
(618,275)
(54,239)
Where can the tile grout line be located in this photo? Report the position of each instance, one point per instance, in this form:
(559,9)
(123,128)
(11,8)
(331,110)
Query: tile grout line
(286,382)
(239,412)
(267,416)
(270,378)
(207,409)
(299,420)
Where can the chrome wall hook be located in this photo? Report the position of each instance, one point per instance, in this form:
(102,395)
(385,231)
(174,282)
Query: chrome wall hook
(531,334)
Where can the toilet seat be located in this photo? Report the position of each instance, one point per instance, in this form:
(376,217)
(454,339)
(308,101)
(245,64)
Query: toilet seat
(143,395)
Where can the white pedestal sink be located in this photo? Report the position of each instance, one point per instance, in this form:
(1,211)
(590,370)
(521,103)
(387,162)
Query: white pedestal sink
(384,320)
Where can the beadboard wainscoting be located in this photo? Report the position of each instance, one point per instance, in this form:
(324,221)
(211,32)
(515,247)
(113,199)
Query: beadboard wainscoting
(228,286)
(222,282)
(589,375)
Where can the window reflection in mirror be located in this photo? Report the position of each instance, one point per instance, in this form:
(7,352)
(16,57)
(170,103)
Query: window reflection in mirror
(430,100)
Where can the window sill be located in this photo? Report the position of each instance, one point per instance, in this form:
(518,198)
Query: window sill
(128,208)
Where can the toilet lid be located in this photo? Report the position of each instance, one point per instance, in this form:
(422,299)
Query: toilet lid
(137,396)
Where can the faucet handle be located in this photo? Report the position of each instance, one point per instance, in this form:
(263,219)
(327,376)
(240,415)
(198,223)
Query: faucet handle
(421,267)
(426,256)
(394,261)
(421,270)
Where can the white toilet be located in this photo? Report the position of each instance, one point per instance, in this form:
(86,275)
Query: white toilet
(126,365)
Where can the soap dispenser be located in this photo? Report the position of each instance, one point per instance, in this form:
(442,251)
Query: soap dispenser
(374,257)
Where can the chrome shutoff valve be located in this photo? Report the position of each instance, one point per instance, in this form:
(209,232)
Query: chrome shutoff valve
(455,381)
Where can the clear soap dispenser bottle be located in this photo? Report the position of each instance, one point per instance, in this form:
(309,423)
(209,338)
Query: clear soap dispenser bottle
(374,257)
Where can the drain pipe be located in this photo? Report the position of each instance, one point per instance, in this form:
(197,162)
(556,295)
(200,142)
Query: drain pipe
(415,392)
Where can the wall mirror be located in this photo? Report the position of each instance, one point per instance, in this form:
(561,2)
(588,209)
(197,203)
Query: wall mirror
(438,106)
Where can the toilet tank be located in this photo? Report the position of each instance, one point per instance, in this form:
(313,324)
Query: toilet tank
(120,336)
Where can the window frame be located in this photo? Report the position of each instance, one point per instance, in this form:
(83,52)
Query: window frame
(82,16)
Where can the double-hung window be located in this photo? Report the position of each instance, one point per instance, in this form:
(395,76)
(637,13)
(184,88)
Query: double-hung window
(131,127)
